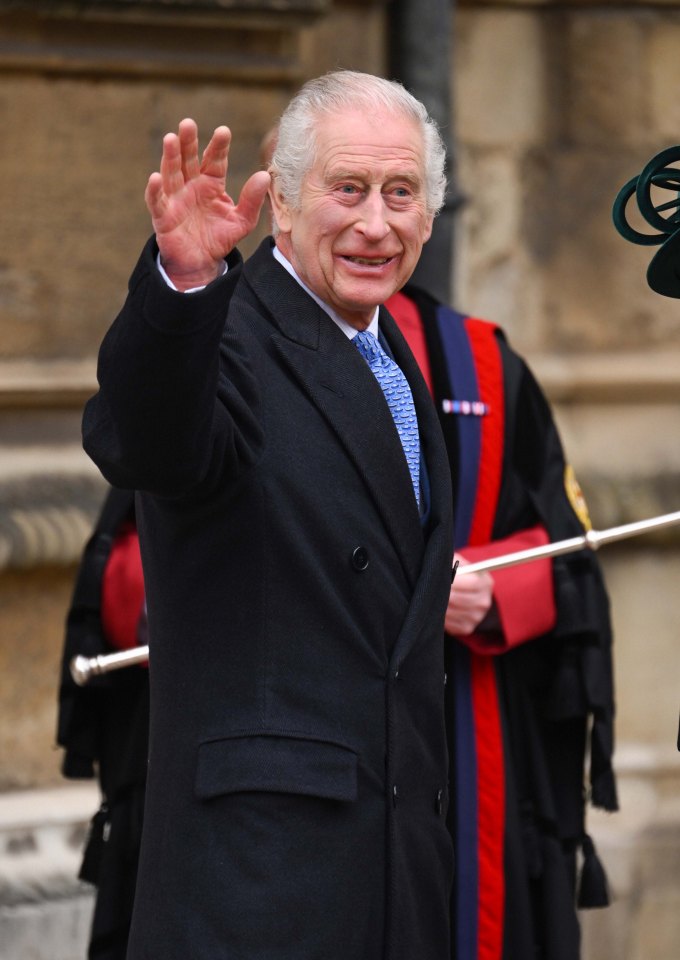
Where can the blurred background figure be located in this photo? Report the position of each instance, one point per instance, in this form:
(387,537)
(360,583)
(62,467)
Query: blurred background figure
(103,727)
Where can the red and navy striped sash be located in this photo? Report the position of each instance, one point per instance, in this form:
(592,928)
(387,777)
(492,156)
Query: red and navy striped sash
(461,361)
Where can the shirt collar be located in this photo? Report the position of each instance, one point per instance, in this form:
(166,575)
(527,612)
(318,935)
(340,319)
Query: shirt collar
(346,328)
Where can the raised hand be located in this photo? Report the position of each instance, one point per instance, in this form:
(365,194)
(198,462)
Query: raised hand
(195,220)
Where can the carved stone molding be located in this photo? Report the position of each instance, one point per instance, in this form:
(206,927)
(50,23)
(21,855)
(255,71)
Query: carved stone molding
(640,378)
(54,384)
(518,4)
(46,519)
(567,379)
(152,9)
(241,40)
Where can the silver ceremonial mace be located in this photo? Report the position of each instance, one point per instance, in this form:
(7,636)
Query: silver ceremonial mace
(82,668)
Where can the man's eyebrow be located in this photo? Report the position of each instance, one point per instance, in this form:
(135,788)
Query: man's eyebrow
(414,179)
(342,173)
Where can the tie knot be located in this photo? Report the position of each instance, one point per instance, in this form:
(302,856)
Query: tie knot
(368,346)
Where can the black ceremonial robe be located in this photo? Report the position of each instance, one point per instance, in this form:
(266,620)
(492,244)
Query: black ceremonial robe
(103,728)
(519,721)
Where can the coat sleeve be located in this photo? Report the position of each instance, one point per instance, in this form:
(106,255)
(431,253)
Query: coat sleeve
(165,419)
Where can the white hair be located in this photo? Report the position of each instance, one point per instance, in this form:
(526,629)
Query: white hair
(339,90)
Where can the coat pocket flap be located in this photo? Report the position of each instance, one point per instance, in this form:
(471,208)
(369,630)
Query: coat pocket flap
(276,764)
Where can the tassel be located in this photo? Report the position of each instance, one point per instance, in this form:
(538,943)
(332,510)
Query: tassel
(593,888)
(602,780)
(94,847)
(603,791)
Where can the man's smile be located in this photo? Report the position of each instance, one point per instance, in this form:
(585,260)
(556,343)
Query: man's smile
(368,261)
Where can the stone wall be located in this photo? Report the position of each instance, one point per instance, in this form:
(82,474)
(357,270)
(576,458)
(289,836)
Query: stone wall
(557,104)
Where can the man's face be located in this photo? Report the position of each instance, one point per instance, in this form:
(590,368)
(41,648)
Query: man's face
(362,220)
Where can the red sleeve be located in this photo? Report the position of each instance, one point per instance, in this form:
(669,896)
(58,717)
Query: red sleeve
(405,314)
(524,594)
(123,590)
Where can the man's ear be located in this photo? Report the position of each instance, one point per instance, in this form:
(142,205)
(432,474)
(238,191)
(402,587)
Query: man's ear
(280,209)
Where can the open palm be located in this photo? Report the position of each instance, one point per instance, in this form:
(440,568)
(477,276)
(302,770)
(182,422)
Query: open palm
(195,221)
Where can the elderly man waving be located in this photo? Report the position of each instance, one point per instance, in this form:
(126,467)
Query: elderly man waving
(294,514)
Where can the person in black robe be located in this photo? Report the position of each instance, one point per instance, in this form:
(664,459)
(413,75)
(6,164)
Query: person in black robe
(528,651)
(103,727)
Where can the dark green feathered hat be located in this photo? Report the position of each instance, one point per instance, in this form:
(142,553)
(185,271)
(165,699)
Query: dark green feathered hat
(663,273)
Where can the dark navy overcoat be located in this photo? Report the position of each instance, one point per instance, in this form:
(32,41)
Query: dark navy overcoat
(297,783)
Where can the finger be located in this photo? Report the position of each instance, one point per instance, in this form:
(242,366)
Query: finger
(188,140)
(465,585)
(460,625)
(171,164)
(252,197)
(481,579)
(468,588)
(463,606)
(215,161)
(154,196)
(462,618)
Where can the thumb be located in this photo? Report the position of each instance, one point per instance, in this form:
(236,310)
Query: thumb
(252,197)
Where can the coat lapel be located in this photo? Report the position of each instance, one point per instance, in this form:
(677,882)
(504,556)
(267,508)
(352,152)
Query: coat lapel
(340,384)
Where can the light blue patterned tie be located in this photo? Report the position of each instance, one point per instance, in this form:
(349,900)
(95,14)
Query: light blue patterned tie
(399,398)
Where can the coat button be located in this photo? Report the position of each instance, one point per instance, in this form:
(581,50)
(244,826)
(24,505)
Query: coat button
(394,795)
(439,802)
(360,558)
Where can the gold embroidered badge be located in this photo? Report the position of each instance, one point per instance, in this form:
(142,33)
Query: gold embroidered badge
(576,498)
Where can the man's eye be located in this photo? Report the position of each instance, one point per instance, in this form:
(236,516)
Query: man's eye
(402,192)
(348,188)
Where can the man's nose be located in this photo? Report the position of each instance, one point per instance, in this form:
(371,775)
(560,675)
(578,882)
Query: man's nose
(373,221)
